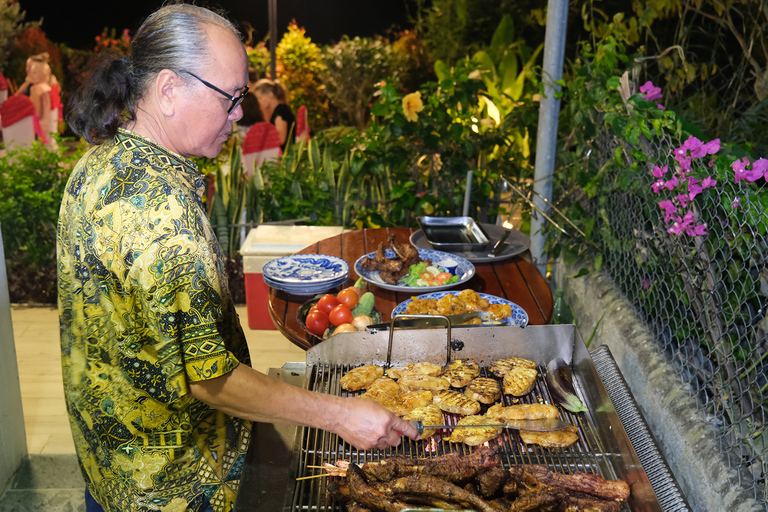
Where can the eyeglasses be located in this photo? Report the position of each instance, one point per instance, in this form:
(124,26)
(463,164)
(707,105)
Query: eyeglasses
(234,99)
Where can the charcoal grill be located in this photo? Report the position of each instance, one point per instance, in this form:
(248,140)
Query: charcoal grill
(281,458)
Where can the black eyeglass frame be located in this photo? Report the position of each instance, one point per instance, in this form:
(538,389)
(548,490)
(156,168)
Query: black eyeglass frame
(236,100)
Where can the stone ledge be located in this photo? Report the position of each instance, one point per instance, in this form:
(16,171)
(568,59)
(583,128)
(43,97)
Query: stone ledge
(683,433)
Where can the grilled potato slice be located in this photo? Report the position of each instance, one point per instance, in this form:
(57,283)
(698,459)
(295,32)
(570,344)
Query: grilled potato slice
(455,402)
(475,436)
(552,439)
(522,412)
(459,373)
(500,367)
(406,402)
(429,415)
(519,381)
(383,391)
(399,372)
(361,377)
(413,382)
(484,390)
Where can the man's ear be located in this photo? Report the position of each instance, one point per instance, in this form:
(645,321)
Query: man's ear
(168,90)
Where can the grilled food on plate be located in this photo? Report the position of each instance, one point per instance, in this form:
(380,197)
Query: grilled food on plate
(484,390)
(409,400)
(460,372)
(551,439)
(382,390)
(522,412)
(411,382)
(475,436)
(425,368)
(429,415)
(361,377)
(519,381)
(450,304)
(500,367)
(456,403)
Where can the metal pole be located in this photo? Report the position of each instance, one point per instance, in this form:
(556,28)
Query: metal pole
(549,113)
(273,38)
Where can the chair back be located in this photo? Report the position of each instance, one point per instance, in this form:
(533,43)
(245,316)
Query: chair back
(302,125)
(17,115)
(55,106)
(3,89)
(261,143)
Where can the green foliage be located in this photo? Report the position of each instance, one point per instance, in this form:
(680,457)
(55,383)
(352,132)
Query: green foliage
(32,184)
(229,199)
(12,25)
(353,68)
(299,67)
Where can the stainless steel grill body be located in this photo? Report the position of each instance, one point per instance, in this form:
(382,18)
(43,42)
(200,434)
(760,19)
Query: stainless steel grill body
(603,447)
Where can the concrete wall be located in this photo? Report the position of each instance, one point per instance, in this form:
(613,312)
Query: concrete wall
(684,434)
(13,440)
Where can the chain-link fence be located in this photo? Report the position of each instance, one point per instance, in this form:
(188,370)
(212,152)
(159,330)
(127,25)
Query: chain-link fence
(702,289)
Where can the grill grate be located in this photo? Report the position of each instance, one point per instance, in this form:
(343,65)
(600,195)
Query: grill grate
(317,447)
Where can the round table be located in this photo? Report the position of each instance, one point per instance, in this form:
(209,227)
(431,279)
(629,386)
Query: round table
(513,279)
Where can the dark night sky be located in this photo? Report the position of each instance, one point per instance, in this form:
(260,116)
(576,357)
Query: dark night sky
(77,22)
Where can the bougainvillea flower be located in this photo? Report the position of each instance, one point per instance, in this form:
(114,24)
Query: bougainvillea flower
(708,182)
(672,183)
(701,229)
(412,105)
(658,186)
(736,202)
(742,173)
(645,283)
(669,210)
(761,166)
(659,172)
(691,143)
(676,228)
(694,188)
(682,200)
(650,91)
(660,106)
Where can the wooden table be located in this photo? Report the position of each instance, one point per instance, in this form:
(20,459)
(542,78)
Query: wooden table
(513,279)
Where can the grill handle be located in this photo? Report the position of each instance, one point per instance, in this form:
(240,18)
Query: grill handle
(439,318)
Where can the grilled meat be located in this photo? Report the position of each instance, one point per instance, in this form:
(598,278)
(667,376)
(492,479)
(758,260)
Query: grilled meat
(382,390)
(583,482)
(551,439)
(361,377)
(519,381)
(430,369)
(429,415)
(434,384)
(523,412)
(456,403)
(475,436)
(460,372)
(392,269)
(409,400)
(406,252)
(500,367)
(364,494)
(491,481)
(452,467)
(484,390)
(426,486)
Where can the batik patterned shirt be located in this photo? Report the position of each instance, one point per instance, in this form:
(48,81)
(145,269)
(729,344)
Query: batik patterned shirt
(145,310)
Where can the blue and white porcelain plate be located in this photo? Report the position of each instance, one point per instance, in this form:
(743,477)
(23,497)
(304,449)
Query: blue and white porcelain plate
(464,269)
(518,317)
(306,269)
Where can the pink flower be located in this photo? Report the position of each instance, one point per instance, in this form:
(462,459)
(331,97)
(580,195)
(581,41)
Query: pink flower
(645,283)
(708,182)
(694,188)
(660,106)
(672,183)
(659,172)
(669,210)
(761,165)
(676,228)
(742,173)
(683,199)
(701,229)
(658,186)
(650,91)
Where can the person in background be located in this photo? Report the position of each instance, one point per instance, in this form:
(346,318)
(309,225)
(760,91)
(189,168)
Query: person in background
(26,86)
(157,376)
(39,76)
(251,114)
(272,96)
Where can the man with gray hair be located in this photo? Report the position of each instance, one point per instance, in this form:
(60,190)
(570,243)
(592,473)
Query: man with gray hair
(157,375)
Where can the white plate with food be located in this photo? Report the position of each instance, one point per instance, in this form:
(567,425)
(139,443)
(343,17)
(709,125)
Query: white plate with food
(517,317)
(459,270)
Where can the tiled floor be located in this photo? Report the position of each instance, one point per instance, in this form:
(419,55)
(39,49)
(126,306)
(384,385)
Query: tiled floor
(36,335)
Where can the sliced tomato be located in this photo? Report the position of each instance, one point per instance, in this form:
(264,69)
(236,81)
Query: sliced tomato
(442,277)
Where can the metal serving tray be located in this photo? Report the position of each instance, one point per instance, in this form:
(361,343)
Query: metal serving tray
(454,233)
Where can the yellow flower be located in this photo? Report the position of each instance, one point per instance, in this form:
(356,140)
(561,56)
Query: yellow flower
(411,105)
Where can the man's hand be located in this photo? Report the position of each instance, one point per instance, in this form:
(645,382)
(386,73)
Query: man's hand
(365,425)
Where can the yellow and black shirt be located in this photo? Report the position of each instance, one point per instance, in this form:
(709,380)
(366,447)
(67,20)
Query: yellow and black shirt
(145,310)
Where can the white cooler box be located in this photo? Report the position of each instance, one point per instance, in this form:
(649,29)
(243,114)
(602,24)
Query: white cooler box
(264,244)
